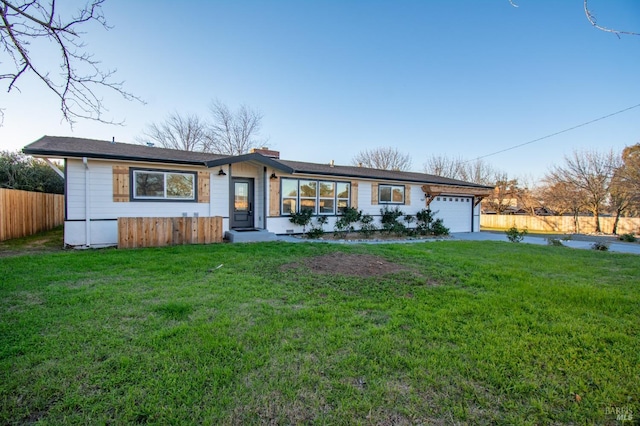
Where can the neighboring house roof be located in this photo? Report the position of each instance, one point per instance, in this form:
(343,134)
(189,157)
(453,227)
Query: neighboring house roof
(55,146)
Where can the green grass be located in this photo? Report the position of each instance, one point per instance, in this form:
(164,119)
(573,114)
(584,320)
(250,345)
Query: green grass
(471,333)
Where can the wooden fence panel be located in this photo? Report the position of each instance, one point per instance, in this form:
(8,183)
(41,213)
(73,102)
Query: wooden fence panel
(564,224)
(136,232)
(24,213)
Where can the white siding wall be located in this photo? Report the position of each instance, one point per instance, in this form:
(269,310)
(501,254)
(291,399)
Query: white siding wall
(103,211)
(456,216)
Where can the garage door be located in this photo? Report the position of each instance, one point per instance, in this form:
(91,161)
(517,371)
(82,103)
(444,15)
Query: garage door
(454,211)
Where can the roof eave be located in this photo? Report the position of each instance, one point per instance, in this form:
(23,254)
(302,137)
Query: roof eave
(259,158)
(64,154)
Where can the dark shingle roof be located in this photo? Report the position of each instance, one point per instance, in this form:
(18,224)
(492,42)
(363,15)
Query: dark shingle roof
(367,173)
(56,146)
(79,147)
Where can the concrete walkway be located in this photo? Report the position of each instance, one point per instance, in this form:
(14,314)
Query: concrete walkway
(585,242)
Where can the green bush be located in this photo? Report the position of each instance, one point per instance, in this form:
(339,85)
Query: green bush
(390,220)
(600,246)
(344,225)
(628,238)
(428,225)
(301,218)
(317,230)
(367,227)
(438,228)
(554,242)
(514,235)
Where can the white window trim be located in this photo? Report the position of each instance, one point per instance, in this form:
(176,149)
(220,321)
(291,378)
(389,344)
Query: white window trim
(298,198)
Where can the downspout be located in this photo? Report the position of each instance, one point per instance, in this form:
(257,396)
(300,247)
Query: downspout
(264,200)
(87,209)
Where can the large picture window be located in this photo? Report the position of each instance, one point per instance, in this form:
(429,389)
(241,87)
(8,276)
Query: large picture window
(163,185)
(319,196)
(391,194)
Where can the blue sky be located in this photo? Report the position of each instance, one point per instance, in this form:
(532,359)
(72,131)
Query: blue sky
(464,78)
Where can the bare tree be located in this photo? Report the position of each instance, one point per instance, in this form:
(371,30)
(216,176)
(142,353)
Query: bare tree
(476,171)
(184,132)
(563,198)
(383,158)
(233,133)
(589,173)
(625,184)
(504,194)
(441,165)
(26,25)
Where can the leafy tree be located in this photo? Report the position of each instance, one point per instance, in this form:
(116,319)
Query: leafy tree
(384,158)
(26,26)
(18,171)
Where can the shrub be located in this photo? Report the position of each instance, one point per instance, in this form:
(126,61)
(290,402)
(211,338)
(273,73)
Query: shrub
(344,225)
(628,238)
(600,246)
(389,220)
(302,218)
(317,230)
(514,235)
(367,227)
(438,228)
(555,242)
(428,225)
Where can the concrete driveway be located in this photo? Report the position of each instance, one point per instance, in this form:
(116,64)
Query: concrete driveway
(585,241)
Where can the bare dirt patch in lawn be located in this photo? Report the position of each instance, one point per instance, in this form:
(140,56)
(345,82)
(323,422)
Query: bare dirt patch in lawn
(360,265)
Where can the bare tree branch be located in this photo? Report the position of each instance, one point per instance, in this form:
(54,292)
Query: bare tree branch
(79,79)
(592,20)
(233,133)
(385,158)
(186,133)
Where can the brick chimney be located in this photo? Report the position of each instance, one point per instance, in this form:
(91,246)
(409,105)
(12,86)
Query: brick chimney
(266,152)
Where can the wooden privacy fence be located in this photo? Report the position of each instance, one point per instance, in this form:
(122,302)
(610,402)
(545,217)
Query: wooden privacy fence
(24,213)
(135,232)
(565,224)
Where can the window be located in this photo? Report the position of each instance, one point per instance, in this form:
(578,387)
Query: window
(327,198)
(308,195)
(321,197)
(391,194)
(160,185)
(344,190)
(289,196)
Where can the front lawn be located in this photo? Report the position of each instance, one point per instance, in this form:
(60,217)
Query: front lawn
(428,333)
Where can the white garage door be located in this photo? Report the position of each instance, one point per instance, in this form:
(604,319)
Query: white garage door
(456,212)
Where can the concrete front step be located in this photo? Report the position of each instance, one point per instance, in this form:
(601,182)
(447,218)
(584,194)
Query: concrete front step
(249,236)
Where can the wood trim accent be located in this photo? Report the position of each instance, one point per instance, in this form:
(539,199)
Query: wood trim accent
(274,197)
(457,190)
(407,195)
(354,194)
(374,194)
(121,191)
(204,193)
(432,191)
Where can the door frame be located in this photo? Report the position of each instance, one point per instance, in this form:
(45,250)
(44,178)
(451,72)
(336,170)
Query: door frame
(252,202)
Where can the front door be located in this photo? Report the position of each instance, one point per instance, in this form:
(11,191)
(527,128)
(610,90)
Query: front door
(242,203)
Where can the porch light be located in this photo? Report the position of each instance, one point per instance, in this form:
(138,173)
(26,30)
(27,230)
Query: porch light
(221,172)
(273,176)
